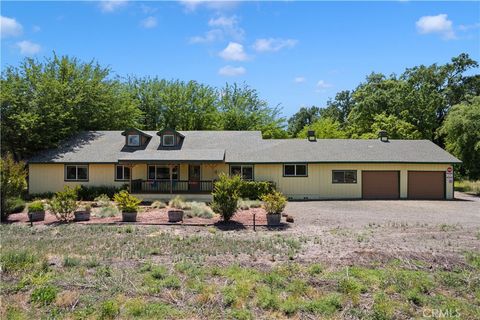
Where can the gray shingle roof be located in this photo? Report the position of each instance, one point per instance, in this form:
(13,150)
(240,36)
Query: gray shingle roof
(243,147)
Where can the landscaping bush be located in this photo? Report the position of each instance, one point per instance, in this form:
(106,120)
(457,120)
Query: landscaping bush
(225,195)
(126,201)
(468,186)
(274,203)
(254,190)
(64,203)
(36,206)
(246,204)
(45,195)
(89,193)
(14,205)
(102,200)
(105,212)
(13,181)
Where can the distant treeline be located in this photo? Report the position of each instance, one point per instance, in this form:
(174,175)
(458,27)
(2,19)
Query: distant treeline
(45,102)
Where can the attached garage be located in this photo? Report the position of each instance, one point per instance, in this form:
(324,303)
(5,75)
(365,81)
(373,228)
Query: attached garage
(426,185)
(380,184)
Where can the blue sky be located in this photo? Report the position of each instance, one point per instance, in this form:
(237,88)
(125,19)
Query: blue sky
(294,53)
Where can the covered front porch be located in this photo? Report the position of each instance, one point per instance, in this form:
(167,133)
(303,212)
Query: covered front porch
(160,178)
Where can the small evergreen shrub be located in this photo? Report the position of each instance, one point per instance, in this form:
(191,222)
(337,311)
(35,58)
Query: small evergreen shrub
(159,205)
(36,206)
(274,203)
(14,205)
(89,193)
(126,201)
(226,196)
(254,190)
(64,203)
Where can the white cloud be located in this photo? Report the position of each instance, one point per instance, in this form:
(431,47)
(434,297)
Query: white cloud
(466,27)
(436,24)
(234,52)
(9,27)
(223,21)
(28,48)
(230,71)
(273,44)
(147,9)
(192,5)
(112,5)
(224,27)
(36,29)
(299,79)
(322,85)
(149,22)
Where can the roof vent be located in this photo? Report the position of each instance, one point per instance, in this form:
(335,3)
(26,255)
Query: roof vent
(311,135)
(383,135)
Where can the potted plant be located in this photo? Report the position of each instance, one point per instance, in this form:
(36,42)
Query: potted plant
(128,204)
(274,203)
(83,213)
(36,211)
(175,210)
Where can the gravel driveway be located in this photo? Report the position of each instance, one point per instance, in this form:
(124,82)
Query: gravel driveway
(464,211)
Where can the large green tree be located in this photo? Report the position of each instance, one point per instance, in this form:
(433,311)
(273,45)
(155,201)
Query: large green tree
(461,130)
(43,103)
(303,117)
(325,128)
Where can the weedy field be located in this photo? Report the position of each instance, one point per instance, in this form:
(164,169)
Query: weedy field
(140,272)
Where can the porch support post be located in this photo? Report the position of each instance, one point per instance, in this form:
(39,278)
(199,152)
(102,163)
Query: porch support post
(170,169)
(130,166)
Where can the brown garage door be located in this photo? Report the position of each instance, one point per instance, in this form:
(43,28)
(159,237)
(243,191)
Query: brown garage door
(426,185)
(380,185)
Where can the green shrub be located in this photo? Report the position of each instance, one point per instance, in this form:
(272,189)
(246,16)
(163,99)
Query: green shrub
(199,209)
(290,306)
(159,272)
(64,203)
(246,204)
(274,203)
(102,200)
(36,206)
(254,190)
(17,260)
(109,309)
(89,193)
(177,202)
(468,186)
(158,205)
(44,295)
(315,269)
(126,201)
(225,195)
(13,181)
(267,299)
(170,282)
(14,205)
(241,314)
(69,262)
(45,195)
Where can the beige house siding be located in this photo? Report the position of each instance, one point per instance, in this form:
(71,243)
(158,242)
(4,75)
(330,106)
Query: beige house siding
(318,184)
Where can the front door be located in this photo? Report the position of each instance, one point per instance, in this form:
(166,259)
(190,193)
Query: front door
(194,177)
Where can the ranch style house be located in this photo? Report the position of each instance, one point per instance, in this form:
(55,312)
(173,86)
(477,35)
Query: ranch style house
(158,165)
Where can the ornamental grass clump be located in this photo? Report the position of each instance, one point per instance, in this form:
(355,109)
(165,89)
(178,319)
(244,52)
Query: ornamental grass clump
(64,203)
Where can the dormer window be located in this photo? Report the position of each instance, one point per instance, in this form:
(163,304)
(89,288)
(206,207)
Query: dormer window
(133,140)
(168,140)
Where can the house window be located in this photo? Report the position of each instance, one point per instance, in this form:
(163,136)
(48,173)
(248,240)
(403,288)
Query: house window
(245,171)
(344,176)
(295,170)
(76,172)
(122,173)
(168,140)
(133,140)
(162,172)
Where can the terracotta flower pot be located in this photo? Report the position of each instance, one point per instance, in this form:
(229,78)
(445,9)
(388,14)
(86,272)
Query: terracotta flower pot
(273,219)
(129,216)
(82,215)
(36,216)
(175,215)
